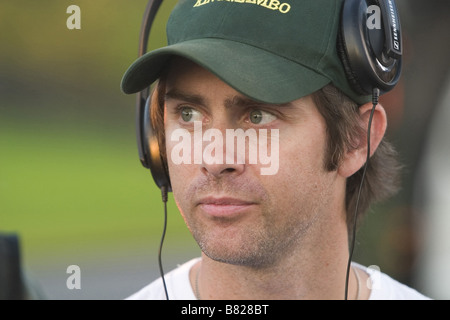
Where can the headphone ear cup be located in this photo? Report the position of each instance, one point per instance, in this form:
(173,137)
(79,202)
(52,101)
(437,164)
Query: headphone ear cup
(149,149)
(350,75)
(367,61)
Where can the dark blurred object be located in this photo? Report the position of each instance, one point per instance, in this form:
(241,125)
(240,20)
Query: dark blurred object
(392,238)
(13,285)
(426,144)
(426,69)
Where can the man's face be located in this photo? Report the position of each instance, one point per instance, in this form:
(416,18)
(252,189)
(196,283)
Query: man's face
(235,213)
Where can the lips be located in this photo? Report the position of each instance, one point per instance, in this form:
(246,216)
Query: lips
(224,206)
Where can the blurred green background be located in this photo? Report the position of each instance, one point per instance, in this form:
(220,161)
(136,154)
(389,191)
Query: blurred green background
(69,168)
(71,184)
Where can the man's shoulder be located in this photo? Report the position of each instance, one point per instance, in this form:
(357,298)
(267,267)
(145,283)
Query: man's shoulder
(383,287)
(177,284)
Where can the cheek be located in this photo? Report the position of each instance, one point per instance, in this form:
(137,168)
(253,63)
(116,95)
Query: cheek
(179,173)
(301,163)
(304,151)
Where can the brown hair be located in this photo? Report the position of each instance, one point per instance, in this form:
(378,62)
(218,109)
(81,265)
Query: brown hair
(343,133)
(344,130)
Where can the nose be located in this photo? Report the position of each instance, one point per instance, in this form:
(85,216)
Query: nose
(221,157)
(222,170)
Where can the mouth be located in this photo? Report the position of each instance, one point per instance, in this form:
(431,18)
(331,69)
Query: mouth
(224,206)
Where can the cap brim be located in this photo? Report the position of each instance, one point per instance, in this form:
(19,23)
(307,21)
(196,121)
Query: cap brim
(256,73)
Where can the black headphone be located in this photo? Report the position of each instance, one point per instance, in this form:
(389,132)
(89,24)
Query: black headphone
(371,59)
(147,140)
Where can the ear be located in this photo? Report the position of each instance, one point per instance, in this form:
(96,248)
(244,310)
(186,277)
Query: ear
(355,158)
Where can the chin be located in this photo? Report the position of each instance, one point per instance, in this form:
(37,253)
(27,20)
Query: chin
(239,251)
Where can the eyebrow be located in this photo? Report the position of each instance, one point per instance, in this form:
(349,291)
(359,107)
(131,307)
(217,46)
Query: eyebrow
(176,94)
(235,101)
(241,101)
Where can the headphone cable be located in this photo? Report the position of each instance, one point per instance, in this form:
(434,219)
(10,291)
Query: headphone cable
(375,97)
(161,271)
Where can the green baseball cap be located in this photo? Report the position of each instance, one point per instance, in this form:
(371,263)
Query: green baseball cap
(273,51)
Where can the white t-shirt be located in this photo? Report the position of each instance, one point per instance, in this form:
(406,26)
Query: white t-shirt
(179,287)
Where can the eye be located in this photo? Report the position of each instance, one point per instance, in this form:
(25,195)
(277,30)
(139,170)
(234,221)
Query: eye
(188,114)
(261,117)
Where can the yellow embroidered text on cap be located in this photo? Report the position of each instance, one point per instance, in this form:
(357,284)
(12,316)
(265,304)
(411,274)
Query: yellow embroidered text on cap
(269,4)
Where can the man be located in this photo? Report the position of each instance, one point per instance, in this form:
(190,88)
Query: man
(268,70)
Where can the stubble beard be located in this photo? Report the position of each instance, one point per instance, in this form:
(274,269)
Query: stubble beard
(275,232)
(258,246)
